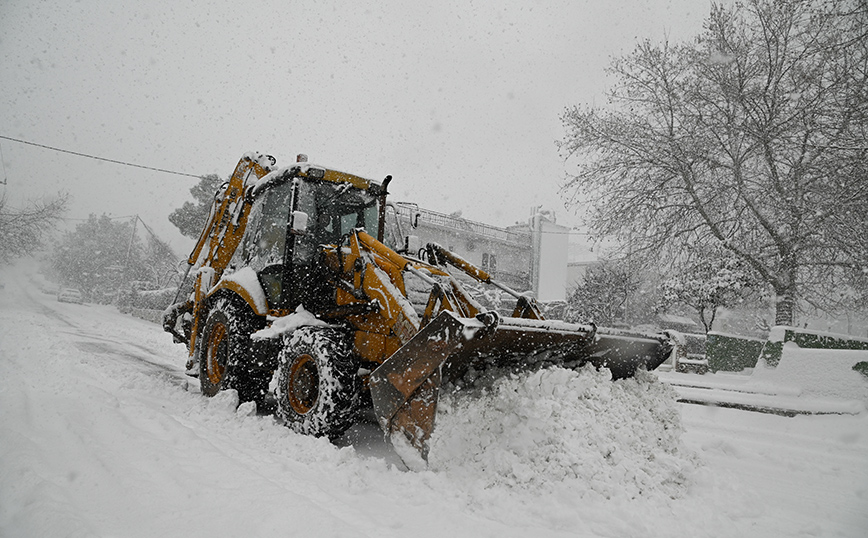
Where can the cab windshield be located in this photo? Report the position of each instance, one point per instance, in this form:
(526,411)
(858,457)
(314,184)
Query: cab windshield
(264,240)
(333,210)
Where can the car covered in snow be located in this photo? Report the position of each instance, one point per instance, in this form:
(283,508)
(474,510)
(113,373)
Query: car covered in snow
(70,295)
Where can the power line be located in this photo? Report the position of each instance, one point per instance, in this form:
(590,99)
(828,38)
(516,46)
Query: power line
(125,217)
(97,158)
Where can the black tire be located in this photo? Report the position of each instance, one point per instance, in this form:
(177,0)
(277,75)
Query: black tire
(224,352)
(318,384)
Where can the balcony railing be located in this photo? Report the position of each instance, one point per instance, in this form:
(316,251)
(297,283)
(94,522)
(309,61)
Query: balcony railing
(408,211)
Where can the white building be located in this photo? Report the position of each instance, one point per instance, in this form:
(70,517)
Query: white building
(526,257)
(551,246)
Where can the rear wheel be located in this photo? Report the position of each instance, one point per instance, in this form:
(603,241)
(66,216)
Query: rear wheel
(318,385)
(224,352)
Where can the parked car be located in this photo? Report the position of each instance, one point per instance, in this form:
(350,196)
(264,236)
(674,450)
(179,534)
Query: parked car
(50,289)
(70,295)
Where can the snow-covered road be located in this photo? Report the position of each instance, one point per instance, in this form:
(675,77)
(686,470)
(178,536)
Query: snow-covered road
(102,435)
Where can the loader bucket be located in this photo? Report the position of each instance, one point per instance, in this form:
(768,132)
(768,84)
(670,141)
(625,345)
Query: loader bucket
(405,388)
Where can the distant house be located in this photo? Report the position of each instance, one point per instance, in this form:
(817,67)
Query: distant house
(680,323)
(526,257)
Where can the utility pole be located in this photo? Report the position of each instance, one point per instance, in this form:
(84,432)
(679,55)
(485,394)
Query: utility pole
(130,246)
(3,163)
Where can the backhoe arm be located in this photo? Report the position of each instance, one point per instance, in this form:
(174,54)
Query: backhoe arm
(228,218)
(216,245)
(526,306)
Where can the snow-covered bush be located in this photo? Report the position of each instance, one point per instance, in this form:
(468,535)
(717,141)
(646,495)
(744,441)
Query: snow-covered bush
(705,286)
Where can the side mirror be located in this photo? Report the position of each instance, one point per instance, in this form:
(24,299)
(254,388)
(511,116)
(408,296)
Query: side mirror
(412,244)
(298,225)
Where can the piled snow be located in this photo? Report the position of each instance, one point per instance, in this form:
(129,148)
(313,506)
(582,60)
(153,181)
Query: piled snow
(562,430)
(287,324)
(778,333)
(98,417)
(826,373)
(246,278)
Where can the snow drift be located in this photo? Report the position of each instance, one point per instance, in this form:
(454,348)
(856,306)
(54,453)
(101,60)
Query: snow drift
(559,429)
(824,373)
(100,438)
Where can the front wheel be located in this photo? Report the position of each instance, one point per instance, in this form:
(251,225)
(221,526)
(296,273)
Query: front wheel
(224,352)
(318,384)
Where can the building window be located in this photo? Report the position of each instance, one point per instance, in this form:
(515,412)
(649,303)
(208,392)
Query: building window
(489,262)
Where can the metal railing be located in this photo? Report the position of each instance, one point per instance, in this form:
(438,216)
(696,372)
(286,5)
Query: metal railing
(410,211)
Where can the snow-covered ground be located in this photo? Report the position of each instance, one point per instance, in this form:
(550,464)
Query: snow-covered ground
(101,434)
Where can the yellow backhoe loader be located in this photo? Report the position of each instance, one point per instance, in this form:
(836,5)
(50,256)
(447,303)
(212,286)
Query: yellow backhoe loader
(291,274)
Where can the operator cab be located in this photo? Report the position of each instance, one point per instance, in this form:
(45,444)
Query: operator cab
(296,212)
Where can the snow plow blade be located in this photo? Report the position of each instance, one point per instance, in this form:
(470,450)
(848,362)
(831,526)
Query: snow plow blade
(405,388)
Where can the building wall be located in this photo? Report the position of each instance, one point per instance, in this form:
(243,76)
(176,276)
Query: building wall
(550,251)
(526,257)
(504,254)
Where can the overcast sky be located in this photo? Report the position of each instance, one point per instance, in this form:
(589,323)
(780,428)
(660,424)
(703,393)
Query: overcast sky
(459,101)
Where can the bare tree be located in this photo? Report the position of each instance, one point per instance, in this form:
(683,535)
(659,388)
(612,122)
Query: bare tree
(23,230)
(752,137)
(602,295)
(160,260)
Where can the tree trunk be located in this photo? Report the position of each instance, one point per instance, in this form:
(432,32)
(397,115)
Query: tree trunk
(784,308)
(710,322)
(785,289)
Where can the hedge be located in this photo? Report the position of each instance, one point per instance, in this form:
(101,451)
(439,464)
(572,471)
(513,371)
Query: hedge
(731,353)
(774,347)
